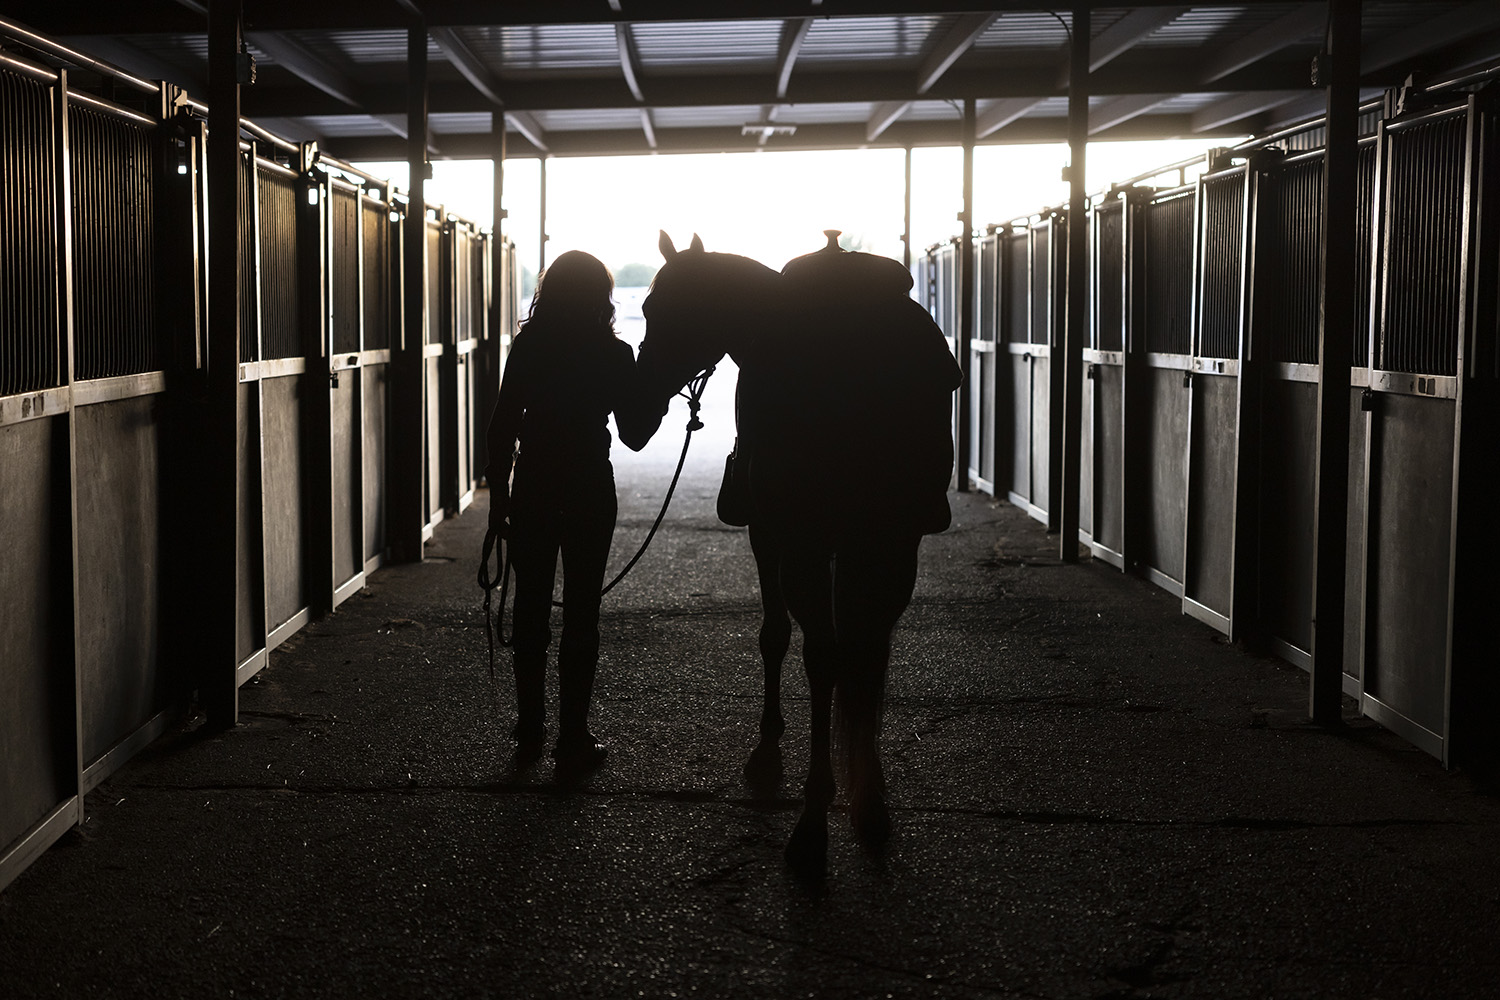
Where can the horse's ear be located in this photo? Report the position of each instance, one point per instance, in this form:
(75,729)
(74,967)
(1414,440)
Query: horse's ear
(664,244)
(697,243)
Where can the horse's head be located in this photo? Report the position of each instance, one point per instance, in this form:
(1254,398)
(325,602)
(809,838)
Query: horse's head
(701,306)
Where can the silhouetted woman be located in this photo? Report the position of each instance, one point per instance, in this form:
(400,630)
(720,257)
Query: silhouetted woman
(565,374)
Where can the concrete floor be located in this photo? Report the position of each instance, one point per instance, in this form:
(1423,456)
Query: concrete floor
(1093,796)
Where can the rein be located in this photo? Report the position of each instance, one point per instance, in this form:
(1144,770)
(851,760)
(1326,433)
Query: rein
(494,628)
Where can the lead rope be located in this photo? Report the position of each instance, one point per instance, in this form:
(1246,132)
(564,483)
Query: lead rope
(494,628)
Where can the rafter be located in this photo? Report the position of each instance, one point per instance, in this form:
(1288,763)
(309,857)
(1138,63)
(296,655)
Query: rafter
(466,62)
(1287,30)
(1001,113)
(648,126)
(1232,109)
(136,61)
(528,126)
(884,115)
(1136,26)
(303,62)
(954,44)
(1121,109)
(629,60)
(1407,44)
(793,34)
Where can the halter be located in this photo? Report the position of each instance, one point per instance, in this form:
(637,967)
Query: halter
(495,628)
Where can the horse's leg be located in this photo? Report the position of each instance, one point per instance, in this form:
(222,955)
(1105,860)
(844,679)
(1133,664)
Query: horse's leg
(873,584)
(775,627)
(808,585)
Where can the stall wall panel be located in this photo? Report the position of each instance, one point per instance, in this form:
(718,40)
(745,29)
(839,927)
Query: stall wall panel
(1289,421)
(1109,442)
(37,755)
(1086,460)
(1041,433)
(1210,528)
(1410,567)
(285,491)
(374,379)
(1165,454)
(984,440)
(124,681)
(1356,537)
(250,559)
(1020,424)
(348,479)
(465,421)
(434,445)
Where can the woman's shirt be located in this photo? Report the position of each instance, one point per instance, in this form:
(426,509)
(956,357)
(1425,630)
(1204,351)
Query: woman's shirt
(559,387)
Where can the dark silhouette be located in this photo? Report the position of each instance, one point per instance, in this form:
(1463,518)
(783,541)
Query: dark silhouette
(566,372)
(845,385)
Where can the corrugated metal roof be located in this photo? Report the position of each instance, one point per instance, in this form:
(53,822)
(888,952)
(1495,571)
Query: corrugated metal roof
(886,41)
(677,47)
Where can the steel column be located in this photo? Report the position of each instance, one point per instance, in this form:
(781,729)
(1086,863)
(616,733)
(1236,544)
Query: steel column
(541,241)
(966,297)
(1076,330)
(218,622)
(408,482)
(1336,317)
(906,226)
(493,347)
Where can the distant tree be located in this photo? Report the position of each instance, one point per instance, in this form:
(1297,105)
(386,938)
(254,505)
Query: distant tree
(856,241)
(528,287)
(634,276)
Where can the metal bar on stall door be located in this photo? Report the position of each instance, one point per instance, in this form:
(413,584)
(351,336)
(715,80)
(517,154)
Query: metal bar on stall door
(1336,316)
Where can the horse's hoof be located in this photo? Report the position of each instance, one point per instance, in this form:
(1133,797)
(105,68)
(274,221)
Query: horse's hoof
(872,822)
(807,850)
(763,770)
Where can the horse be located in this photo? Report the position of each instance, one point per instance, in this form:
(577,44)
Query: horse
(844,449)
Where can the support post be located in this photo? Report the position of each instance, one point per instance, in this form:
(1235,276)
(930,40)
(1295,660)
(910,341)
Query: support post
(966,300)
(1076,330)
(218,691)
(541,241)
(1336,317)
(494,345)
(906,226)
(408,484)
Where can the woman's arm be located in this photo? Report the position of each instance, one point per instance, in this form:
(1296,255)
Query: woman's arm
(637,416)
(505,425)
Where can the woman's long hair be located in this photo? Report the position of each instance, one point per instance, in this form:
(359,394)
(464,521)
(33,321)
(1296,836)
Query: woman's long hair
(575,291)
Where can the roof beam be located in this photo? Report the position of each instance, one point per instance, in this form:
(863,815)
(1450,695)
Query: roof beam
(1287,30)
(625,142)
(1435,33)
(302,62)
(528,126)
(883,116)
(1001,113)
(793,34)
(466,62)
(954,44)
(135,60)
(808,88)
(629,60)
(1136,26)
(1121,109)
(1232,109)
